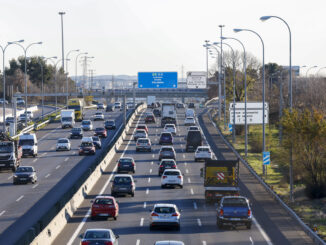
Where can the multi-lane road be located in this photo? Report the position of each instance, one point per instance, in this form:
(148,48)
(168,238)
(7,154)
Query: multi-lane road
(51,167)
(198,219)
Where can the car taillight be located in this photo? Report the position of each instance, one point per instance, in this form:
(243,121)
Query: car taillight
(154,214)
(174,166)
(163,177)
(133,164)
(179,176)
(108,243)
(175,214)
(85,242)
(249,212)
(137,144)
(221,212)
(119,164)
(148,143)
(161,166)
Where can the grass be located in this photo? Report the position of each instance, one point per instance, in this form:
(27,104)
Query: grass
(312,212)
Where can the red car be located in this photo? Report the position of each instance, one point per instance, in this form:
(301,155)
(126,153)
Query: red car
(142,126)
(105,206)
(101,132)
(150,119)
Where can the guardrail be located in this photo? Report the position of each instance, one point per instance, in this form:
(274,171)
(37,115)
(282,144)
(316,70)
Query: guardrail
(314,236)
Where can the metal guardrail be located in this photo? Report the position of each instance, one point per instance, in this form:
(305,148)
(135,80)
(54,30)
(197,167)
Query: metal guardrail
(305,227)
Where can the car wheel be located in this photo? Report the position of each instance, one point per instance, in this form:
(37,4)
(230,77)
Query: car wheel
(115,217)
(248,226)
(133,171)
(162,186)
(151,228)
(132,194)
(181,186)
(92,217)
(219,224)
(177,227)
(196,159)
(113,194)
(34,155)
(137,150)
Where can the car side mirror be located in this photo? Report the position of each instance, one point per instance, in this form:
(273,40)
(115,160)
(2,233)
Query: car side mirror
(135,181)
(81,236)
(180,210)
(35,143)
(116,236)
(91,201)
(150,210)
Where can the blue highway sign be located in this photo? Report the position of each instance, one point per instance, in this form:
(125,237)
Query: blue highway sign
(157,79)
(266,158)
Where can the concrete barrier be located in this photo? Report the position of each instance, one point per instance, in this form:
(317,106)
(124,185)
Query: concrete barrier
(53,229)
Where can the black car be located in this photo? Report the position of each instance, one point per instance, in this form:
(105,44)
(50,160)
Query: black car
(97,142)
(76,133)
(191,105)
(193,140)
(109,124)
(166,138)
(126,164)
(25,174)
(9,120)
(109,108)
(157,112)
(123,184)
(166,164)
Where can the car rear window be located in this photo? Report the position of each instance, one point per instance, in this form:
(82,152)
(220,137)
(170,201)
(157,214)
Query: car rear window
(171,173)
(168,164)
(76,129)
(122,180)
(143,141)
(99,129)
(203,149)
(104,201)
(125,160)
(166,149)
(97,234)
(63,141)
(165,135)
(235,202)
(164,210)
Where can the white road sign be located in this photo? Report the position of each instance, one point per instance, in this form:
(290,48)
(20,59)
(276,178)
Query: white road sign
(196,79)
(254,113)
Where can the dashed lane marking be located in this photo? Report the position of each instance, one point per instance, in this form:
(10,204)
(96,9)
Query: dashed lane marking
(187,171)
(57,167)
(35,160)
(199,222)
(145,204)
(66,159)
(149,180)
(195,206)
(2,213)
(147,191)
(34,186)
(138,242)
(189,181)
(19,198)
(141,222)
(10,176)
(191,191)
(150,171)
(47,176)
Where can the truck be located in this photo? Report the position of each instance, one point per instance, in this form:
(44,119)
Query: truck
(67,118)
(10,153)
(151,100)
(221,178)
(169,114)
(77,105)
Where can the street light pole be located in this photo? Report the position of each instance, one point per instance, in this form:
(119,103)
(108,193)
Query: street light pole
(245,87)
(76,66)
(75,50)
(206,45)
(62,43)
(220,75)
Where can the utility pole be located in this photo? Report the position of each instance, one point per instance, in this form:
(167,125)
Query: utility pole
(220,75)
(62,43)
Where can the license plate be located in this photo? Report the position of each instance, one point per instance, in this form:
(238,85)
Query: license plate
(86,151)
(167,167)
(104,215)
(172,181)
(22,178)
(126,166)
(236,219)
(122,189)
(2,165)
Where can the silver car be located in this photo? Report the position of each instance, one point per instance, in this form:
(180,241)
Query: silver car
(164,214)
(99,236)
(140,133)
(169,243)
(143,144)
(87,125)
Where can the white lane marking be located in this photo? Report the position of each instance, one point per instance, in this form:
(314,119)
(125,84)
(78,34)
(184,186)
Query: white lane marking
(44,154)
(82,223)
(191,191)
(47,176)
(195,206)
(141,222)
(137,242)
(252,241)
(145,204)
(156,130)
(57,167)
(183,155)
(187,171)
(199,222)
(10,176)
(149,180)
(66,159)
(150,171)
(49,133)
(204,243)
(186,164)
(262,232)
(2,212)
(73,153)
(35,160)
(152,163)
(19,198)
(34,186)
(153,155)
(52,148)
(189,181)
(147,191)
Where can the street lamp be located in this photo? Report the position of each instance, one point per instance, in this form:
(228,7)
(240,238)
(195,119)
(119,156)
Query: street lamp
(320,70)
(4,81)
(206,46)
(263,81)
(76,66)
(25,75)
(62,45)
(71,51)
(312,67)
(245,87)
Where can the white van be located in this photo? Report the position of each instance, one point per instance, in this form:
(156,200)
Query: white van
(190,113)
(29,144)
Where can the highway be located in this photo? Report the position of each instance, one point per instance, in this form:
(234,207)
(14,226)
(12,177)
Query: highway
(198,220)
(51,167)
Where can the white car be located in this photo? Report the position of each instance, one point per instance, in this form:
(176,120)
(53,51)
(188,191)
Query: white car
(63,144)
(169,242)
(140,133)
(98,116)
(202,153)
(164,214)
(170,128)
(30,114)
(190,121)
(172,177)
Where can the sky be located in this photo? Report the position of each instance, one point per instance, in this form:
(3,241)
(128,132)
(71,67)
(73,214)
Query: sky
(128,36)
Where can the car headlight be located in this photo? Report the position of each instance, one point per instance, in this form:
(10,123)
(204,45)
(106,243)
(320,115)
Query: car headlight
(15,176)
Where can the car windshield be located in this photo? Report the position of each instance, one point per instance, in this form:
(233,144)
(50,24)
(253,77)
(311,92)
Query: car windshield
(164,210)
(26,142)
(75,107)
(104,201)
(110,122)
(5,147)
(97,235)
(87,144)
(66,119)
(235,202)
(193,128)
(203,149)
(171,173)
(99,129)
(190,118)
(166,149)
(95,138)
(24,169)
(86,122)
(63,141)
(143,141)
(122,180)
(166,135)
(125,160)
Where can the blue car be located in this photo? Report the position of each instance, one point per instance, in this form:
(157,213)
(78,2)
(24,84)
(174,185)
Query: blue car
(166,138)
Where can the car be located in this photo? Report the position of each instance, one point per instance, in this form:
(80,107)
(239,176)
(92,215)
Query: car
(87,125)
(97,142)
(109,124)
(172,177)
(1,101)
(190,121)
(167,152)
(63,144)
(22,118)
(180,105)
(98,116)
(143,144)
(104,206)
(76,133)
(169,242)
(166,138)
(109,108)
(150,119)
(30,114)
(101,132)
(193,128)
(165,214)
(126,164)
(99,236)
(140,133)
(123,184)
(29,144)
(166,164)
(170,128)
(193,140)
(191,105)
(87,148)
(190,113)
(25,174)
(203,153)
(142,126)
(20,101)
(234,210)
(117,105)
(100,106)
(10,120)
(157,112)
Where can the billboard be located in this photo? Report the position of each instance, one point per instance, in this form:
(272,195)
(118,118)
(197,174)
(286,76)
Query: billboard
(157,79)
(254,113)
(196,79)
